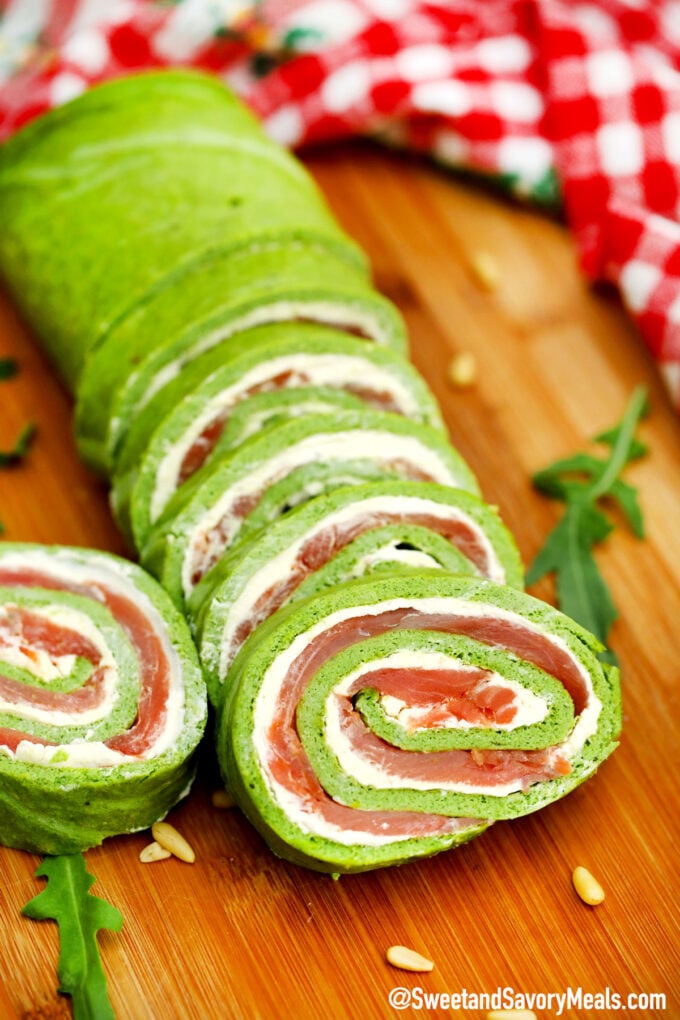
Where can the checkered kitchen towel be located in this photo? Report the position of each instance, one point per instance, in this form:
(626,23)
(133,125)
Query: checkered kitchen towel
(561,101)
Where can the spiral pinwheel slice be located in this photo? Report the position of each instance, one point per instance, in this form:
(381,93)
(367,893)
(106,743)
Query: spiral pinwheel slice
(102,701)
(282,467)
(272,357)
(374,722)
(333,538)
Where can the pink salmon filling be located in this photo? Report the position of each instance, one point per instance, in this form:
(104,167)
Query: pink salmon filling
(47,636)
(203,446)
(289,765)
(322,547)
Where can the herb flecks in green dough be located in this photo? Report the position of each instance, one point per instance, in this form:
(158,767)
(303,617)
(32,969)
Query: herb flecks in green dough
(80,915)
(581,482)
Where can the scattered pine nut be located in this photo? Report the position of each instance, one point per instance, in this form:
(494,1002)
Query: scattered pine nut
(169,838)
(511,1014)
(588,888)
(485,269)
(463,369)
(408,959)
(222,799)
(153,852)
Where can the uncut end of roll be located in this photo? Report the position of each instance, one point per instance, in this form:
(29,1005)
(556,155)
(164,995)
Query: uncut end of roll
(102,701)
(387,719)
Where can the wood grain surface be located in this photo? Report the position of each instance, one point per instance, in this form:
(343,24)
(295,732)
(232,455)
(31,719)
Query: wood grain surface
(241,934)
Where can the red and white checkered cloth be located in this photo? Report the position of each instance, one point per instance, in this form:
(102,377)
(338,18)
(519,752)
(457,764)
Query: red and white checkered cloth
(562,101)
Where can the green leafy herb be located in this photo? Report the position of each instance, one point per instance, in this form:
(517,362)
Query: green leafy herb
(8,368)
(80,915)
(581,482)
(14,456)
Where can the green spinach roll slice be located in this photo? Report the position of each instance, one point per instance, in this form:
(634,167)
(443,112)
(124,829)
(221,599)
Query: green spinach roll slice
(385,525)
(102,701)
(388,719)
(202,305)
(282,467)
(270,358)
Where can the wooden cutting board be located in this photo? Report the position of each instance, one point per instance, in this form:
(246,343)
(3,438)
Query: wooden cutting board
(241,934)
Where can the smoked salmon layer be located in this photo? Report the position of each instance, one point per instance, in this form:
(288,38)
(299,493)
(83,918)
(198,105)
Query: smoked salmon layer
(392,717)
(171,439)
(282,467)
(102,701)
(104,198)
(199,313)
(389,525)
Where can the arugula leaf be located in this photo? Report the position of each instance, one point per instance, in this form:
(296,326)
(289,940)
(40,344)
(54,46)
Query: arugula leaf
(14,456)
(581,481)
(8,368)
(80,915)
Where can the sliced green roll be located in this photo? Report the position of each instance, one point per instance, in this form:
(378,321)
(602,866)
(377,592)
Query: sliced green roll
(102,701)
(199,309)
(280,468)
(375,722)
(275,356)
(103,197)
(333,538)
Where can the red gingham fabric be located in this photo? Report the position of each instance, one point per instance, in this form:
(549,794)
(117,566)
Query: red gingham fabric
(562,102)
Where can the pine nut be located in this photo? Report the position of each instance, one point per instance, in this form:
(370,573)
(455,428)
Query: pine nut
(153,852)
(485,269)
(463,369)
(588,888)
(408,959)
(511,1014)
(222,799)
(169,838)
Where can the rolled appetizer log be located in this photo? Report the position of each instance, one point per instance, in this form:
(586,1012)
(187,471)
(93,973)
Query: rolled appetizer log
(272,357)
(280,468)
(401,523)
(198,309)
(101,198)
(102,701)
(372,723)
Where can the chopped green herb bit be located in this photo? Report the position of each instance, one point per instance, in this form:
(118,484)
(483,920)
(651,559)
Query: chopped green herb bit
(8,368)
(8,458)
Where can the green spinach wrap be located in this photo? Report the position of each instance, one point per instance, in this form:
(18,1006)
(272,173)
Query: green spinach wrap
(269,358)
(105,196)
(390,718)
(280,468)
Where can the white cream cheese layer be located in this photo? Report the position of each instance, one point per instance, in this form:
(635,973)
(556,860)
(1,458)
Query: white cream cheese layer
(390,447)
(266,702)
(391,553)
(275,571)
(65,567)
(336,370)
